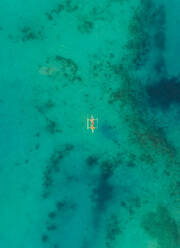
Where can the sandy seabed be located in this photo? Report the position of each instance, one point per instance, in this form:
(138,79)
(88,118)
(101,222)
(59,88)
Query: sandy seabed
(63,186)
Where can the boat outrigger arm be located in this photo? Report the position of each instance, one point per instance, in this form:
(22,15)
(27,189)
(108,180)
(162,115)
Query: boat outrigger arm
(91,123)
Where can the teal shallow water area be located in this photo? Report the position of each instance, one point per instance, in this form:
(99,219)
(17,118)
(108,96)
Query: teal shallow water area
(61,185)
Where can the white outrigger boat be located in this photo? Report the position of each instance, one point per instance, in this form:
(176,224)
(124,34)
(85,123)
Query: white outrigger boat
(92,123)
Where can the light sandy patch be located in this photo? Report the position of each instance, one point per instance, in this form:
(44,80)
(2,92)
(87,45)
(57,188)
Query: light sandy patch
(48,70)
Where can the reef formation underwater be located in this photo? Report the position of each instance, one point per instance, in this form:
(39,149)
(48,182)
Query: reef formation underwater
(63,186)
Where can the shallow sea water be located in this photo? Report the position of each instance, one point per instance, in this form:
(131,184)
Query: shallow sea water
(62,186)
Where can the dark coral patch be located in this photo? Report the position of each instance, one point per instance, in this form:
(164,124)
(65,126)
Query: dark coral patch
(67,6)
(29,34)
(107,168)
(51,227)
(159,39)
(91,160)
(60,205)
(113,229)
(44,238)
(103,192)
(65,205)
(85,26)
(53,167)
(164,93)
(131,164)
(162,226)
(52,215)
(52,127)
(54,12)
(160,66)
(68,147)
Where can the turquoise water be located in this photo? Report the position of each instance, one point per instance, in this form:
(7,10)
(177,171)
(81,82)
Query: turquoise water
(62,186)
